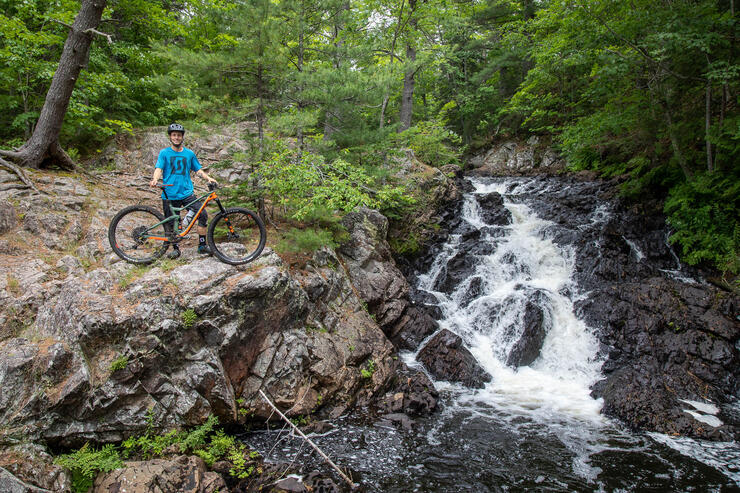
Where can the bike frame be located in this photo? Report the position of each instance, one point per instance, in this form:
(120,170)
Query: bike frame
(175,217)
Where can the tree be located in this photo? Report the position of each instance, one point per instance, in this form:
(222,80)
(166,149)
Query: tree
(43,147)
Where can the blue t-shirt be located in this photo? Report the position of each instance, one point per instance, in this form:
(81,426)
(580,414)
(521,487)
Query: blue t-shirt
(176,168)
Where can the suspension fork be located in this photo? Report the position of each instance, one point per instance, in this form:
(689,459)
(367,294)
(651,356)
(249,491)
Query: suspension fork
(226,218)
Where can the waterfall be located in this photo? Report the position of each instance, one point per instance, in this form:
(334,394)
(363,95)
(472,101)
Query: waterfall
(508,272)
(524,271)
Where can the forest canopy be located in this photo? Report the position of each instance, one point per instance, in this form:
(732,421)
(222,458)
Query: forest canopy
(643,90)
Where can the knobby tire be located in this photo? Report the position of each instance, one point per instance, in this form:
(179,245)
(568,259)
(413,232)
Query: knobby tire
(242,247)
(121,234)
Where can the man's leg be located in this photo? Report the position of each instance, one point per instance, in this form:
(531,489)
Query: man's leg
(202,223)
(168,227)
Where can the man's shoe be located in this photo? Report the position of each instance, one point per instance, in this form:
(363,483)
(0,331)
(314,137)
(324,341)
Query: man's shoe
(175,253)
(204,250)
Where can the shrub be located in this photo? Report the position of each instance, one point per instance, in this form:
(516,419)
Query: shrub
(704,213)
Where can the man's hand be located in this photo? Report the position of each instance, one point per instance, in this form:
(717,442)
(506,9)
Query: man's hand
(205,176)
(155,177)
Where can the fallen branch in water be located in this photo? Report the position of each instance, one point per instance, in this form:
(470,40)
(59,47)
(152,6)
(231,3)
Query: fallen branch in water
(316,448)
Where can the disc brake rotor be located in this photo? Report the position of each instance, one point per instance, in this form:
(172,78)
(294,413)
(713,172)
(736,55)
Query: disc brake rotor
(138,235)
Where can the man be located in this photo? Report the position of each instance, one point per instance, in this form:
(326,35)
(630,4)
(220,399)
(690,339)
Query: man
(174,165)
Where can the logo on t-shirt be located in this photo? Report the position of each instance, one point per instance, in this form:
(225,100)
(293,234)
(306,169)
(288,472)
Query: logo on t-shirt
(179,165)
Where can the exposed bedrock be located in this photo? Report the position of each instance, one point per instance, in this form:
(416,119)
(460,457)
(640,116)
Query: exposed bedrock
(379,283)
(446,358)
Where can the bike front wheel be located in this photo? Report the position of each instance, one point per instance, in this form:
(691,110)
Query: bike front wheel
(134,237)
(236,236)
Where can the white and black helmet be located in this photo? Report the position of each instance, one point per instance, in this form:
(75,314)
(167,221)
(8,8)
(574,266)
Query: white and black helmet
(175,127)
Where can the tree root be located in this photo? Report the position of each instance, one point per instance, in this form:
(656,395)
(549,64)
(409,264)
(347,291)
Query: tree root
(27,181)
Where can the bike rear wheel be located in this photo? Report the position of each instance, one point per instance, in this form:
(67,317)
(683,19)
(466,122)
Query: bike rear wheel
(131,234)
(236,236)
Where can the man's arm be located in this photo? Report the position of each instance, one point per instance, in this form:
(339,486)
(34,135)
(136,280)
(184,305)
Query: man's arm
(155,177)
(205,176)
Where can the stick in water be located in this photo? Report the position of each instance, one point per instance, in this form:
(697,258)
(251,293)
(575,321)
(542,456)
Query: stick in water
(317,449)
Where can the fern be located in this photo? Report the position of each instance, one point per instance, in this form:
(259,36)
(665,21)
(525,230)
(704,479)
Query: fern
(84,464)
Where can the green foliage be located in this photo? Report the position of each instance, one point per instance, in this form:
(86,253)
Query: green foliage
(85,463)
(197,438)
(189,317)
(432,143)
(368,371)
(305,240)
(219,445)
(119,363)
(306,184)
(705,213)
(237,455)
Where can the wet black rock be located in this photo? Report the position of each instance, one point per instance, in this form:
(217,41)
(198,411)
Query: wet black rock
(446,358)
(492,209)
(665,339)
(412,393)
(673,341)
(527,349)
(458,268)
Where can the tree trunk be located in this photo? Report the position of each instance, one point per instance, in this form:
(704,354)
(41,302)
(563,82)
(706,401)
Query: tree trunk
(332,113)
(43,146)
(708,126)
(407,97)
(675,145)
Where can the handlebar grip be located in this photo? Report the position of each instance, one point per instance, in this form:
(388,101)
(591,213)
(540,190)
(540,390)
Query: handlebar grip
(212,186)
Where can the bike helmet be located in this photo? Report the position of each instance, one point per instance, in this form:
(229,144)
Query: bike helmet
(175,127)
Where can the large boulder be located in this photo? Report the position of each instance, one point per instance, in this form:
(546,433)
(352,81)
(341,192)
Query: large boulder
(446,358)
(184,474)
(36,468)
(527,348)
(513,158)
(492,209)
(669,343)
(379,283)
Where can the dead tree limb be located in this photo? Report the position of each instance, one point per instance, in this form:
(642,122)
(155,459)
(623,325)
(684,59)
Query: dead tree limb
(317,449)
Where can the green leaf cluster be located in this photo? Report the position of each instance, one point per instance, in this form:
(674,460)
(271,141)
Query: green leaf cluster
(704,213)
(85,463)
(204,441)
(306,183)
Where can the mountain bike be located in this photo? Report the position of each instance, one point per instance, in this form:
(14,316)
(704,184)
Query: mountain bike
(141,234)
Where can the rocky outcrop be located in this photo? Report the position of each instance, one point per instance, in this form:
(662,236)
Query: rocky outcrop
(670,342)
(446,358)
(378,281)
(517,158)
(182,474)
(412,393)
(527,348)
(32,463)
(94,349)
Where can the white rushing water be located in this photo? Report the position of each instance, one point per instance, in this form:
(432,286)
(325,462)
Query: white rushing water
(525,267)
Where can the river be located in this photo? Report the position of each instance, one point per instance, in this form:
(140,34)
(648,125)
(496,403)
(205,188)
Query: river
(536,427)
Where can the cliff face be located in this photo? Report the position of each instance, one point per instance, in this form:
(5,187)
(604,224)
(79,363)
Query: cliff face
(95,349)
